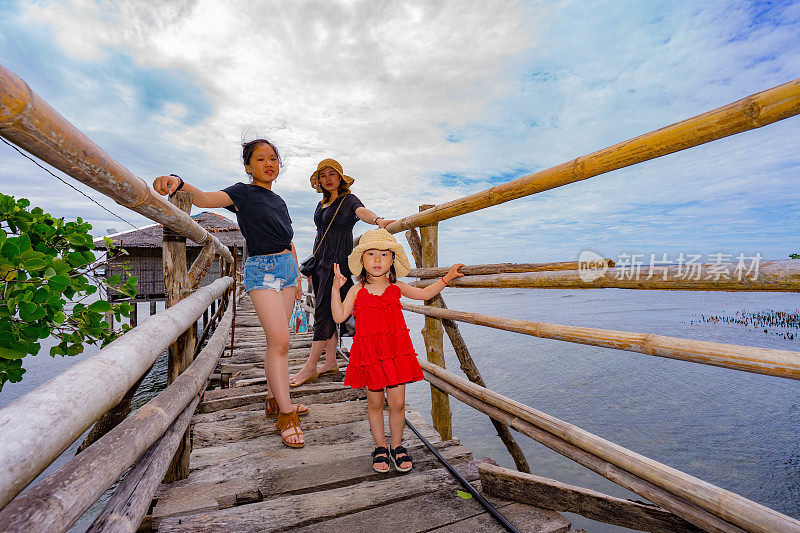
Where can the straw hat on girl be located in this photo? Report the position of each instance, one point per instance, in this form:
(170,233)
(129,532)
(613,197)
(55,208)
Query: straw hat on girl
(335,166)
(379,239)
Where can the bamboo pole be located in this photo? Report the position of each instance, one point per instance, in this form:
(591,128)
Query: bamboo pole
(112,417)
(56,502)
(749,113)
(502,268)
(30,123)
(725,504)
(433,334)
(201,265)
(690,512)
(768,361)
(129,504)
(773,276)
(49,418)
(468,365)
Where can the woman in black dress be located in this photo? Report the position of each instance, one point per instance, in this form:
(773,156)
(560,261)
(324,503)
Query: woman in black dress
(331,181)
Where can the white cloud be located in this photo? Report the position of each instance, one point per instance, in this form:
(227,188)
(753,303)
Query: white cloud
(385,87)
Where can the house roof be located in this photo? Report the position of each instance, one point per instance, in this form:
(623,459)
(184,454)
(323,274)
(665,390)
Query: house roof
(152,236)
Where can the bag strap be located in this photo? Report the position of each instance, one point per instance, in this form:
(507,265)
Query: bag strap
(329,225)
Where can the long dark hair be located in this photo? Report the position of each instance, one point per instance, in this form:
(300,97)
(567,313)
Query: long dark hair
(363,276)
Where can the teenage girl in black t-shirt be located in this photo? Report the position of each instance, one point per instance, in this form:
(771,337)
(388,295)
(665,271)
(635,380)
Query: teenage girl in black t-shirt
(271,274)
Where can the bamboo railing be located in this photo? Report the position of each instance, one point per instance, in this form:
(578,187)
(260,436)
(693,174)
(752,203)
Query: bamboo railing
(773,276)
(704,505)
(701,503)
(63,496)
(30,123)
(749,113)
(769,361)
(49,418)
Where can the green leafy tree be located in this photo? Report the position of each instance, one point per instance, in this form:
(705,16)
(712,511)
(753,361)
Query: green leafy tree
(794,256)
(48,270)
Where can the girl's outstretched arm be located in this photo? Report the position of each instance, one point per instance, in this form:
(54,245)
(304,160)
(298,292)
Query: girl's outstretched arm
(169,184)
(415,293)
(341,310)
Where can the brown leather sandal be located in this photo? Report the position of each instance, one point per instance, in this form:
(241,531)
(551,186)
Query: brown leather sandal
(289,421)
(271,407)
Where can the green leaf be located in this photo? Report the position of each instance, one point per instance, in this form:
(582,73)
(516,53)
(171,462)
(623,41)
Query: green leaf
(114,279)
(75,259)
(59,282)
(34,264)
(49,272)
(100,306)
(11,353)
(464,495)
(9,250)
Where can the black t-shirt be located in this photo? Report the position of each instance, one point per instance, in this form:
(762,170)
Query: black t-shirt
(263,218)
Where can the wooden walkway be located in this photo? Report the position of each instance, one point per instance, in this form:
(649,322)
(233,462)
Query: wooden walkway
(242,478)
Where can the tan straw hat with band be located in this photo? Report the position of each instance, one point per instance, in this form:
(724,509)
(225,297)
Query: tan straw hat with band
(379,239)
(335,166)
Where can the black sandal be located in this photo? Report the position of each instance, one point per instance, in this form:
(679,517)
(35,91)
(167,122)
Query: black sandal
(399,456)
(380,460)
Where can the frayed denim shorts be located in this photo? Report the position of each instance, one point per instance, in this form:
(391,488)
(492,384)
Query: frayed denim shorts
(274,271)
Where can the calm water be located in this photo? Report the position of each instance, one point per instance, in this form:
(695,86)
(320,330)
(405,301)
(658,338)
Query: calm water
(737,430)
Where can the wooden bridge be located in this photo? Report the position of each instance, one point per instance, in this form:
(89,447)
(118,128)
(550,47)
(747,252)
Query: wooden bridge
(242,478)
(231,472)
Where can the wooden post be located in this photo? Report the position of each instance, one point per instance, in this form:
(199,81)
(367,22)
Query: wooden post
(468,366)
(152,308)
(134,313)
(176,288)
(433,334)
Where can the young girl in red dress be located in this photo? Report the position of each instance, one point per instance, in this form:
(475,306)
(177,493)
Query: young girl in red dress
(382,356)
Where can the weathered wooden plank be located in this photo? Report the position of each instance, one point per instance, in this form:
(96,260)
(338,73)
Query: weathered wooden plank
(438,509)
(255,401)
(298,510)
(257,479)
(248,424)
(526,518)
(215,462)
(550,494)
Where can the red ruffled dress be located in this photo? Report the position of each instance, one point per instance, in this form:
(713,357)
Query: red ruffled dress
(382,354)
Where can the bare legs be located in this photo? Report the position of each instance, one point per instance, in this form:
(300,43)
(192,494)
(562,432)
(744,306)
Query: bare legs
(396,397)
(274,309)
(317,347)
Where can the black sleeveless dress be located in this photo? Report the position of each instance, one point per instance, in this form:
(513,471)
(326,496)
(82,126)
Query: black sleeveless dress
(335,248)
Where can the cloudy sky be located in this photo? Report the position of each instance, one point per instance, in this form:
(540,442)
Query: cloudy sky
(424,102)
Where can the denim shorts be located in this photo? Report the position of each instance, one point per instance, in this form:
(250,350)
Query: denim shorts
(274,271)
